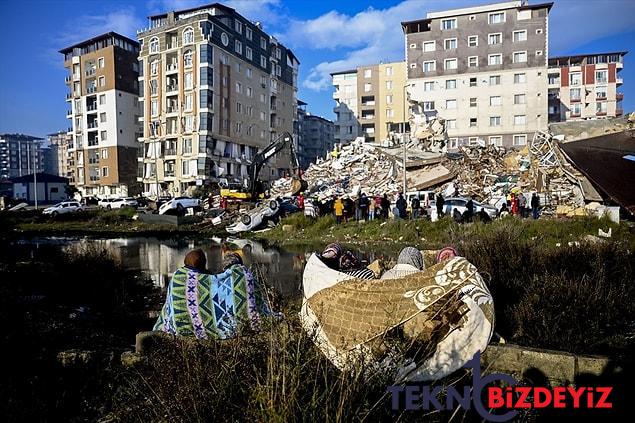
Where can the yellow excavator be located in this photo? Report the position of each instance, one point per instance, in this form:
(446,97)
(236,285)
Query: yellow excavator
(253,188)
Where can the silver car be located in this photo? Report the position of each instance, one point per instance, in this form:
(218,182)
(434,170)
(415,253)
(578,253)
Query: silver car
(459,203)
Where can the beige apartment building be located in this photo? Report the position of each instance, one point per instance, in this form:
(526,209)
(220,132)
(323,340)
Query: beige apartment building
(104,113)
(585,86)
(482,69)
(215,89)
(370,102)
(59,143)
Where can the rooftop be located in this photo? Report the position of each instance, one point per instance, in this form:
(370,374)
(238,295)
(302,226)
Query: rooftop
(98,38)
(40,177)
(194,9)
(344,72)
(577,56)
(20,137)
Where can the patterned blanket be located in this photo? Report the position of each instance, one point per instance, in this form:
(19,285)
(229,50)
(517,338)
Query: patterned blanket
(213,306)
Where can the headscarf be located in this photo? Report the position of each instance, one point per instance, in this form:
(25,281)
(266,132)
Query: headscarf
(349,262)
(446,253)
(411,256)
(230,259)
(332,251)
(196,260)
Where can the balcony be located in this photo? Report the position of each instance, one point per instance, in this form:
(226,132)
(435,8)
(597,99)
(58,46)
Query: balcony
(91,107)
(619,81)
(68,79)
(90,72)
(575,115)
(93,160)
(600,113)
(92,125)
(69,96)
(170,151)
(172,88)
(70,130)
(69,113)
(619,112)
(575,99)
(91,89)
(169,174)
(619,96)
(172,67)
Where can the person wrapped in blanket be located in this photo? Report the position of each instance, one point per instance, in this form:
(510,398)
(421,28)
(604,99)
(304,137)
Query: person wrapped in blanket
(336,258)
(213,306)
(410,261)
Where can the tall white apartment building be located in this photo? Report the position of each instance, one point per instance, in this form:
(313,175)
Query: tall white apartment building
(347,127)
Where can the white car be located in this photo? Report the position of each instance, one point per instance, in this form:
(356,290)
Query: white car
(456,203)
(118,203)
(251,219)
(105,203)
(63,208)
(179,204)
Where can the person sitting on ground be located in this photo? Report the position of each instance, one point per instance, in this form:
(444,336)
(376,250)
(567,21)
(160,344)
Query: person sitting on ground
(410,261)
(201,305)
(446,253)
(336,258)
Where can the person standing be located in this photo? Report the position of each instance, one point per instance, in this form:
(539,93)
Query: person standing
(514,205)
(338,207)
(522,204)
(469,210)
(385,206)
(440,203)
(300,201)
(371,209)
(415,204)
(535,205)
(363,206)
(401,206)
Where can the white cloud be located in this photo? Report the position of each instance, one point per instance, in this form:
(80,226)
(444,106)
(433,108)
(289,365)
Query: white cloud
(123,21)
(266,11)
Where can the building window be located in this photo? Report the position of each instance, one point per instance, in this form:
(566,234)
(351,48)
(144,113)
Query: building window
(450,123)
(367,87)
(493,39)
(601,76)
(520,78)
(450,104)
(189,123)
(189,84)
(473,122)
(600,108)
(448,23)
(472,61)
(429,46)
(472,41)
(389,99)
(102,117)
(367,73)
(102,81)
(576,109)
(189,97)
(249,72)
(450,44)
(154,45)
(575,94)
(495,121)
(575,78)
(103,135)
(250,92)
(497,141)
(102,99)
(520,36)
(472,82)
(154,107)
(495,18)
(450,64)
(495,59)
(238,47)
(413,65)
(104,172)
(428,106)
(428,86)
(389,85)
(239,88)
(454,143)
(238,26)
(154,67)
(429,66)
(100,63)
(263,43)
(390,113)
(248,33)
(472,101)
(248,53)
(519,98)
(520,57)
(104,153)
(263,61)
(185,167)
(600,92)
(187,58)
(495,100)
(520,120)
(188,36)
(389,71)
(520,139)
(413,45)
(495,80)
(450,84)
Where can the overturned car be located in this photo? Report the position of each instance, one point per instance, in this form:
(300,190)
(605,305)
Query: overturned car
(251,219)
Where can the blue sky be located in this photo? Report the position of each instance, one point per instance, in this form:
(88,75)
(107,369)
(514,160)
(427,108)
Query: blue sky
(326,36)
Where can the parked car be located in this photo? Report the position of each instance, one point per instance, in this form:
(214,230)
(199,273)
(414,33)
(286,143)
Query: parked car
(63,208)
(118,203)
(458,203)
(180,204)
(90,201)
(105,203)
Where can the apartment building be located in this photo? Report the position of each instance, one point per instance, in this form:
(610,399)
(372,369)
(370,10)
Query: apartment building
(20,155)
(370,101)
(104,112)
(316,136)
(483,69)
(216,89)
(59,143)
(585,86)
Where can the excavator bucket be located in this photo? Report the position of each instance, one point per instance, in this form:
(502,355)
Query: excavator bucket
(298,185)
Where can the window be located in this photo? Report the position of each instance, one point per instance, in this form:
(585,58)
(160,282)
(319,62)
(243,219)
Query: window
(189,101)
(519,98)
(520,36)
(413,45)
(495,59)
(263,61)
(188,36)
(495,100)
(103,135)
(263,43)
(539,31)
(450,123)
(102,99)
(154,87)
(520,78)
(493,39)
(428,106)
(472,82)
(368,73)
(428,86)
(154,45)
(238,47)
(450,84)
(430,66)
(497,17)
(389,99)
(600,92)
(185,167)
(413,65)
(389,71)
(448,23)
(368,87)
(454,143)
(390,113)
(102,117)
(189,123)
(262,116)
(389,85)
(248,53)
(248,33)
(600,108)
(575,94)
(154,67)
(601,76)
(450,64)
(520,139)
(576,109)
(104,153)
(520,57)
(472,61)
(575,78)
(239,88)
(495,121)
(450,104)
(472,101)
(224,39)
(520,120)
(249,72)
(238,26)
(250,92)
(498,141)
(495,80)
(473,122)
(189,84)
(187,58)
(102,81)
(100,62)
(450,44)
(472,41)
(429,46)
